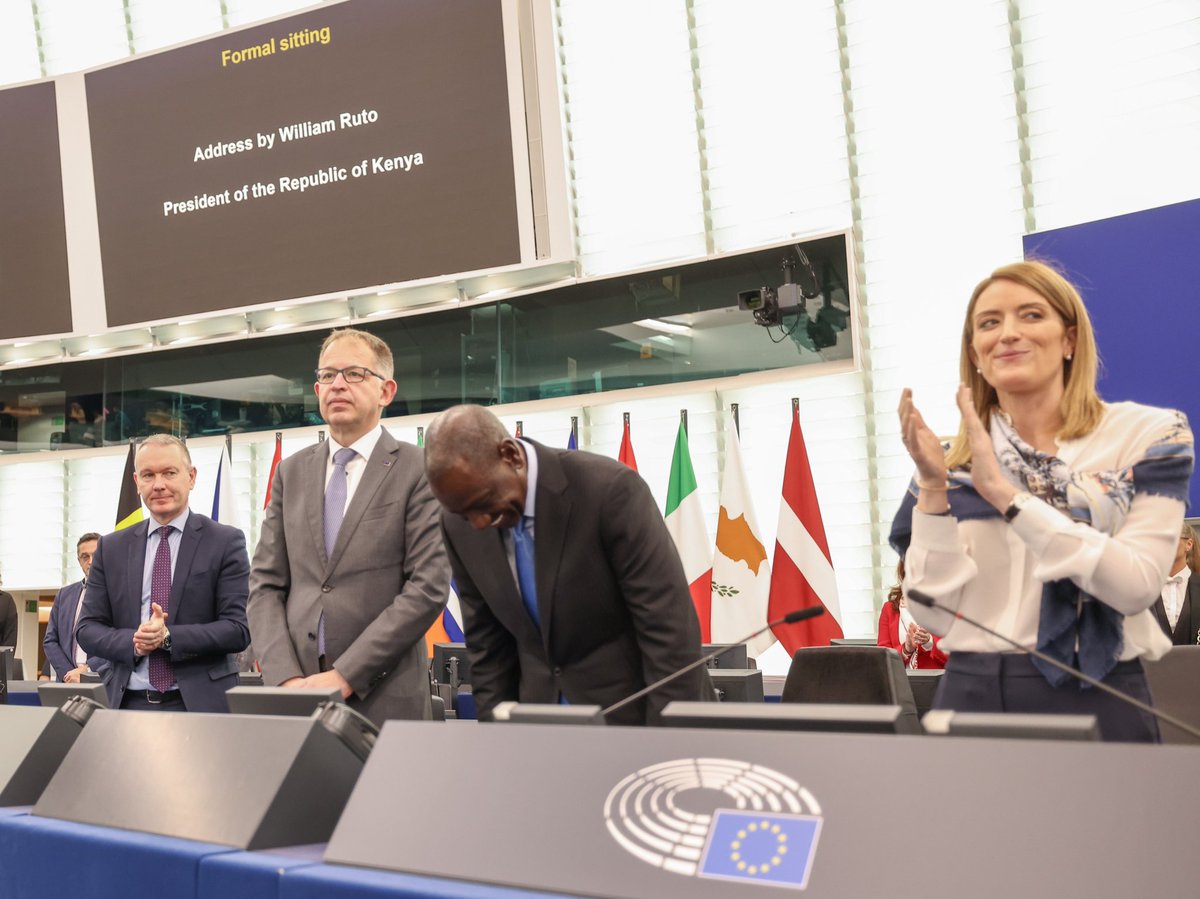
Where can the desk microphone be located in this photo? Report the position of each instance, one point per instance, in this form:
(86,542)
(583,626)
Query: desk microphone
(789,618)
(923,599)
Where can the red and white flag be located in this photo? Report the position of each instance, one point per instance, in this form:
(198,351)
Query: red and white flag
(802,572)
(275,460)
(626,452)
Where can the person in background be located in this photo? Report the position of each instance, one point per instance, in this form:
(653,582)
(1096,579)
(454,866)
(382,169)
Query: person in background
(1178,609)
(8,619)
(64,659)
(899,631)
(1052,519)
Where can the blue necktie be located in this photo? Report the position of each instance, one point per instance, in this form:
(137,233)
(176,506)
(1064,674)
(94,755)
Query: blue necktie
(523,550)
(335,510)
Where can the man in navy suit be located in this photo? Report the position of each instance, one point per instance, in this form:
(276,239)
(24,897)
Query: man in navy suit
(62,653)
(166,599)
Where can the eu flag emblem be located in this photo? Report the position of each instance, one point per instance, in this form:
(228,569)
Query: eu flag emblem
(766,848)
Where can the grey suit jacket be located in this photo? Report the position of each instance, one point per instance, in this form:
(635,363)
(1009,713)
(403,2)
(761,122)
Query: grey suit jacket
(613,600)
(381,588)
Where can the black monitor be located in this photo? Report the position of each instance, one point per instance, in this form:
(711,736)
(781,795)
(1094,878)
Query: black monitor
(4,652)
(829,717)
(853,641)
(734,657)
(9,666)
(738,686)
(547,713)
(1011,725)
(924,683)
(298,701)
(54,695)
(450,665)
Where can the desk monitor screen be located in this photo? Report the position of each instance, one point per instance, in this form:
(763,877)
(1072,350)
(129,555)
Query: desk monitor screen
(860,719)
(733,658)
(924,684)
(55,695)
(547,713)
(278,700)
(1010,725)
(8,663)
(450,664)
(738,686)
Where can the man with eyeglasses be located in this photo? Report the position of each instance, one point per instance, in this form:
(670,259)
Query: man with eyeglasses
(350,570)
(64,657)
(165,602)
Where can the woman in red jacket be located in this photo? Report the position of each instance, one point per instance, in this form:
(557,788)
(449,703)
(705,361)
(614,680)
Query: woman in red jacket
(917,647)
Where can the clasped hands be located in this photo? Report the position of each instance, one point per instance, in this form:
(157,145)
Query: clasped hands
(325,680)
(916,636)
(152,633)
(927,454)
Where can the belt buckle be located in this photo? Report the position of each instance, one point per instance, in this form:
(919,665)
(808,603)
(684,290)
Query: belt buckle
(153,701)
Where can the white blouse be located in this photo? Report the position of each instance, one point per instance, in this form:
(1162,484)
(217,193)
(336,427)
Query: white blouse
(993,570)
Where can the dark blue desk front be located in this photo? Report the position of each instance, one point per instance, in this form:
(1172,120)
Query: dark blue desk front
(44,857)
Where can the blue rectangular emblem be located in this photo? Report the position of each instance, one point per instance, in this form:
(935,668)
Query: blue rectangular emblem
(771,849)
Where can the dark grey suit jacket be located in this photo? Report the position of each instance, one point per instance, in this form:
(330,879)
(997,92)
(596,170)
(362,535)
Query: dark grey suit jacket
(8,620)
(382,587)
(206,618)
(612,597)
(1187,628)
(60,633)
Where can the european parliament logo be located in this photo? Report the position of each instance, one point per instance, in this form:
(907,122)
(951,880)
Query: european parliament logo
(717,818)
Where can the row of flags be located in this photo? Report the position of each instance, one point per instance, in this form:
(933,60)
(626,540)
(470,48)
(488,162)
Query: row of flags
(734,587)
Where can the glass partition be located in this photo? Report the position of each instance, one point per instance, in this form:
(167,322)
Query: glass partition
(670,325)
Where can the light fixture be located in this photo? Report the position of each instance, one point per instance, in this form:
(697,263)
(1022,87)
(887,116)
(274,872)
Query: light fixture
(657,324)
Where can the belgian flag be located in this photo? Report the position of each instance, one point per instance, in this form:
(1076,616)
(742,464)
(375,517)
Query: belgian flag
(129,503)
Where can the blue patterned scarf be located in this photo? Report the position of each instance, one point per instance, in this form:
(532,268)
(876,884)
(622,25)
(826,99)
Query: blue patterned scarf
(1069,616)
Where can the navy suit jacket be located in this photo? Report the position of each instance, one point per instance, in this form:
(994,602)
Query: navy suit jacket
(59,631)
(206,617)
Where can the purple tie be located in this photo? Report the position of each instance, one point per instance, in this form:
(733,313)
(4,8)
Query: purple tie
(161,675)
(335,511)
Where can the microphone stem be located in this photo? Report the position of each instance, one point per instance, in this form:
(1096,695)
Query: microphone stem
(1086,678)
(703,660)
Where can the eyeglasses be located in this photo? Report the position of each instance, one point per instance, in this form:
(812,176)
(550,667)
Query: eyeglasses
(355,374)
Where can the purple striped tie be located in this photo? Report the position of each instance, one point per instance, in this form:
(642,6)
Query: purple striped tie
(335,511)
(161,675)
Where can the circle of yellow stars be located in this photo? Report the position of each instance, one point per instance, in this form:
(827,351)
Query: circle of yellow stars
(762,867)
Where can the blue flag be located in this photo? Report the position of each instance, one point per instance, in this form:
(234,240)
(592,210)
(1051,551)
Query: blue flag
(766,848)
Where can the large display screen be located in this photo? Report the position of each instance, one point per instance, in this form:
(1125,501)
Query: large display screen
(363,143)
(35,295)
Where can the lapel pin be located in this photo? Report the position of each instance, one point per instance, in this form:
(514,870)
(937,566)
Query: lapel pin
(387,462)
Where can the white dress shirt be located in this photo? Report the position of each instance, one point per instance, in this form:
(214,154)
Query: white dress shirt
(1174,590)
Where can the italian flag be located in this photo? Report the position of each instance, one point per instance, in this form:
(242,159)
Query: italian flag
(685,523)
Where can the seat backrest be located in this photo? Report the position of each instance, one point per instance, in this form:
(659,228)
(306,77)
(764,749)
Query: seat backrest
(853,675)
(1172,680)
